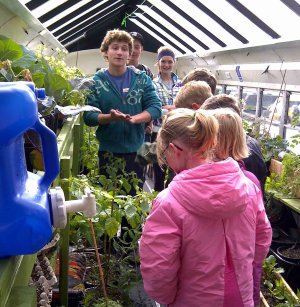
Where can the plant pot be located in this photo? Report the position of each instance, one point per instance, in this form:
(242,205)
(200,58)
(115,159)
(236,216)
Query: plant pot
(276,167)
(290,253)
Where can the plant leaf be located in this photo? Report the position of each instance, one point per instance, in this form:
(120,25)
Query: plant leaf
(130,211)
(111,226)
(9,50)
(56,86)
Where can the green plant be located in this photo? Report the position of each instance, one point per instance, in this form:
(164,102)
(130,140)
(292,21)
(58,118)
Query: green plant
(281,293)
(17,63)
(276,285)
(270,268)
(119,253)
(89,151)
(271,147)
(291,174)
(288,183)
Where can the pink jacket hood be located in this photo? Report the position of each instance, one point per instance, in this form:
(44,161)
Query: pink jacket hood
(211,190)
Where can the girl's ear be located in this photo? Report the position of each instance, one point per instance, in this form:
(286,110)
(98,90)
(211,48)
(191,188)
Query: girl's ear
(195,106)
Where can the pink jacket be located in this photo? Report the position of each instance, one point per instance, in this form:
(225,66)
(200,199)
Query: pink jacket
(205,236)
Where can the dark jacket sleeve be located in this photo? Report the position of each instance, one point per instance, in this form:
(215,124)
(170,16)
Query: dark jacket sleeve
(255,162)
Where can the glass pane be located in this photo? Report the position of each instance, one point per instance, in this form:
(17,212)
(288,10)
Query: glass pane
(269,98)
(249,101)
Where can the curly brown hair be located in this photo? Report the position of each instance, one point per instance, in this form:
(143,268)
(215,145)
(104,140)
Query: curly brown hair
(116,35)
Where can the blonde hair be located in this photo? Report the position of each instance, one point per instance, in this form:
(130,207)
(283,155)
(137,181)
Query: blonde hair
(198,130)
(231,136)
(118,36)
(192,92)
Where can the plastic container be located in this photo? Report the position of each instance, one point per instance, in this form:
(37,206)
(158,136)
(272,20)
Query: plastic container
(25,211)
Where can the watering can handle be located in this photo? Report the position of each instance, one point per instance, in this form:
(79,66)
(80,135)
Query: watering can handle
(50,154)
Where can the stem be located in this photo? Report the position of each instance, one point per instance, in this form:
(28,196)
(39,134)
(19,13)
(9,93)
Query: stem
(109,242)
(98,261)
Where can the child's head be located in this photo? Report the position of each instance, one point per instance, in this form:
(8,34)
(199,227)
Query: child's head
(186,133)
(221,101)
(201,74)
(231,136)
(116,35)
(192,95)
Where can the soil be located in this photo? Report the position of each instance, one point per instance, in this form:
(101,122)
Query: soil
(293,253)
(268,296)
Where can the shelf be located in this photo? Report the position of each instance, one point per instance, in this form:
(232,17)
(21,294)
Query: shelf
(293,203)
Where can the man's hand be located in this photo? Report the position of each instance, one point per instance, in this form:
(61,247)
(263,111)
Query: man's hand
(119,116)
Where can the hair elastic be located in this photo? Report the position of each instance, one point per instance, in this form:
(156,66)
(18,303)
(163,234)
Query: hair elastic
(166,53)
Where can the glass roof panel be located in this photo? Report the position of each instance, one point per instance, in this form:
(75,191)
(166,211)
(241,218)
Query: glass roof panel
(82,14)
(237,21)
(159,38)
(68,11)
(184,23)
(159,29)
(280,17)
(93,22)
(46,7)
(206,21)
(168,25)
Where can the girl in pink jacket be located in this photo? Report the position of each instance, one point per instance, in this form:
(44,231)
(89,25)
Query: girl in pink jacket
(207,230)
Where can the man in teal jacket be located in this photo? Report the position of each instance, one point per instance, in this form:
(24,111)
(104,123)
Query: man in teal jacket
(127,100)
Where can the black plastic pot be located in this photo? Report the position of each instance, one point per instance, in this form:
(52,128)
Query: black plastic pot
(281,252)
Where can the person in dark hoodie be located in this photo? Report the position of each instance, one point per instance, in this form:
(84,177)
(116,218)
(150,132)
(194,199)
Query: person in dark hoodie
(208,230)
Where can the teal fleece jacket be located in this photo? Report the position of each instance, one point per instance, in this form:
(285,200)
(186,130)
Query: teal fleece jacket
(119,136)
